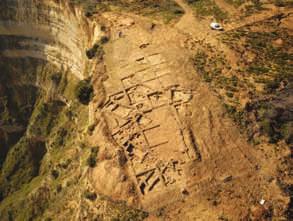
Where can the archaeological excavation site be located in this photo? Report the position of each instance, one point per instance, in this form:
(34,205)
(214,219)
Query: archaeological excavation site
(131,110)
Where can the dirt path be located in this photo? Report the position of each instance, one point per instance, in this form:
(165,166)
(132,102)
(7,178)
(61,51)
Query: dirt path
(261,16)
(190,24)
(199,30)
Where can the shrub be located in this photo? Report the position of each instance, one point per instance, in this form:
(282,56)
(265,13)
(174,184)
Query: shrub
(91,53)
(234,80)
(84,91)
(90,195)
(103,28)
(55,173)
(60,137)
(59,188)
(287,132)
(230,94)
(272,85)
(266,127)
(279,3)
(104,40)
(96,51)
(91,128)
(178,11)
(56,78)
(208,8)
(207,77)
(92,159)
(131,215)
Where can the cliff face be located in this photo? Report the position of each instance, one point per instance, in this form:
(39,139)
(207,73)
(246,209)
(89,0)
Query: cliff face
(42,58)
(48,30)
(34,34)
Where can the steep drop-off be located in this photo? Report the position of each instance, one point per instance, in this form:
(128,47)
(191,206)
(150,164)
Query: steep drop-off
(42,58)
(53,31)
(34,34)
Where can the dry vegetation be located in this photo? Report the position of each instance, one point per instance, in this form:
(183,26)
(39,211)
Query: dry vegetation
(164,9)
(257,92)
(207,8)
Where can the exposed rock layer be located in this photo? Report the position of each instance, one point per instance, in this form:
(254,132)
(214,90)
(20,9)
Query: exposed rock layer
(49,30)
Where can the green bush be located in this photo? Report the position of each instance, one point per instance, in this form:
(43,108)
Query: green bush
(90,195)
(55,173)
(84,91)
(104,40)
(91,53)
(97,50)
(92,159)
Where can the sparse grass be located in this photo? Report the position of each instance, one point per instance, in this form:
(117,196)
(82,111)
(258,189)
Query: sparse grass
(264,74)
(43,117)
(208,8)
(49,122)
(16,206)
(273,123)
(254,7)
(126,214)
(235,3)
(269,61)
(21,165)
(210,67)
(283,3)
(166,10)
(25,169)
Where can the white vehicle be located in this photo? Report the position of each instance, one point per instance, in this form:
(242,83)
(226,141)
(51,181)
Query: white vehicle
(216,26)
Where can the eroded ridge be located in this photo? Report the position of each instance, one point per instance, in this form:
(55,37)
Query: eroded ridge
(144,119)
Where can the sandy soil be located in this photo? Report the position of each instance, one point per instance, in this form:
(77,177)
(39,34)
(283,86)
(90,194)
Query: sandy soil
(187,160)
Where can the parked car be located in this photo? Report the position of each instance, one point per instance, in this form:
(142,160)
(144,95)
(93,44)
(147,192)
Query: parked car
(216,26)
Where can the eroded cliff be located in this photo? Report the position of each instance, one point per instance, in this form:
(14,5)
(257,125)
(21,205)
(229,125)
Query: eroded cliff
(43,59)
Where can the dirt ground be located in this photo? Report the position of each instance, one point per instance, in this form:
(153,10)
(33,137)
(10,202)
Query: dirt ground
(185,158)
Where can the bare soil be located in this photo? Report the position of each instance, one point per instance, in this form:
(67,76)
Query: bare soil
(185,158)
